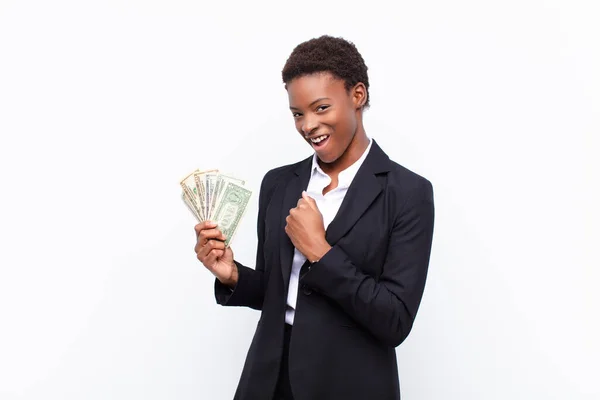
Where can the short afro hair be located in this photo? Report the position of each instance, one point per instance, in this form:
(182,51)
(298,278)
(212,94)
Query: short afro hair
(328,54)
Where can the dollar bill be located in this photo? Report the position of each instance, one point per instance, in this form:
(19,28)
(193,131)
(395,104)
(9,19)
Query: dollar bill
(192,197)
(203,192)
(222,182)
(231,209)
(189,205)
(211,195)
(211,186)
(218,182)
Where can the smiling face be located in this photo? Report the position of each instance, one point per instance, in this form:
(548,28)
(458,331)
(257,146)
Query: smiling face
(329,117)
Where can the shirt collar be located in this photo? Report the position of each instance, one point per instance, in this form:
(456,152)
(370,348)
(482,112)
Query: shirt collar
(346,176)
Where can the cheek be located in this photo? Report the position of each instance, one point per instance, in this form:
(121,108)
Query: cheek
(298,126)
(343,125)
(334,121)
(350,125)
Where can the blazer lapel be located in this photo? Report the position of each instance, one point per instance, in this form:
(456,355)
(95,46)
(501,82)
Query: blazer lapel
(363,190)
(293,192)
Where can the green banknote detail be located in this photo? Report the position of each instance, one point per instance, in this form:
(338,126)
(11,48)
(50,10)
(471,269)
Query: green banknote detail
(187,184)
(188,203)
(231,208)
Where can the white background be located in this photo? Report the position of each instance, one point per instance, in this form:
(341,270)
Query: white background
(106,105)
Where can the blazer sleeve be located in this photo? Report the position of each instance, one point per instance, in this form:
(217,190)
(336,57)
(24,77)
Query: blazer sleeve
(250,288)
(387,306)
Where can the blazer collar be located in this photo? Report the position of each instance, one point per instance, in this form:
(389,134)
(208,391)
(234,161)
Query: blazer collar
(363,190)
(376,162)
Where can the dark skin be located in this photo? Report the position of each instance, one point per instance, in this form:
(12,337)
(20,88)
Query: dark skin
(321,106)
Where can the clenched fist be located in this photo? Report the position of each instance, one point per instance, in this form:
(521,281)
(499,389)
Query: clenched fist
(306,230)
(211,251)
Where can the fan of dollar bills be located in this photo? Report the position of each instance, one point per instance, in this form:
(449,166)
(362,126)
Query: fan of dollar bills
(212,196)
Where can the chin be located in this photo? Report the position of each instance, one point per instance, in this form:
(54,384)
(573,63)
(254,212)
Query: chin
(327,158)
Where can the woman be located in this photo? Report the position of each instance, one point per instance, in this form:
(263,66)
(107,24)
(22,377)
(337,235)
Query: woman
(344,239)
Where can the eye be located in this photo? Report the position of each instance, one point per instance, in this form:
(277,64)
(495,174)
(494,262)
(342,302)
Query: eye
(322,108)
(296,114)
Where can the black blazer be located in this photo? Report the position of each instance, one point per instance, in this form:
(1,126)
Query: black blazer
(356,304)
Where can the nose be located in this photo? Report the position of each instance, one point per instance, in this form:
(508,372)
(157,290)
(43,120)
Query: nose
(309,124)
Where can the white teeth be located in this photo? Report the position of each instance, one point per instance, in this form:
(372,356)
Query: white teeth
(319,139)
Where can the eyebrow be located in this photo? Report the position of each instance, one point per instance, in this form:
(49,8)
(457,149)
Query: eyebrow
(314,102)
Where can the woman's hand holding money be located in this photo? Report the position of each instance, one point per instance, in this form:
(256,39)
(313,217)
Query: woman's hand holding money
(211,251)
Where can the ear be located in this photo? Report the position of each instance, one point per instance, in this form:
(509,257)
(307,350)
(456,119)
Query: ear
(359,95)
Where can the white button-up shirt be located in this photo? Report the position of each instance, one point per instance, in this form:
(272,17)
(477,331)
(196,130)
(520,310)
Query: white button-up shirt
(328,204)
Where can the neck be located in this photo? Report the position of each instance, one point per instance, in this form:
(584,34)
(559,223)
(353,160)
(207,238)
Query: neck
(355,150)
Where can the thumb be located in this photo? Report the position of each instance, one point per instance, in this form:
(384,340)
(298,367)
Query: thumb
(310,200)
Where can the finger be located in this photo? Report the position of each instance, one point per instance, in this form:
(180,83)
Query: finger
(204,225)
(208,234)
(205,236)
(203,253)
(204,248)
(312,202)
(303,205)
(288,221)
(213,256)
(215,244)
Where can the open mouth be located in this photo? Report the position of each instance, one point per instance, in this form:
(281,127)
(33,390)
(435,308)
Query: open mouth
(319,141)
